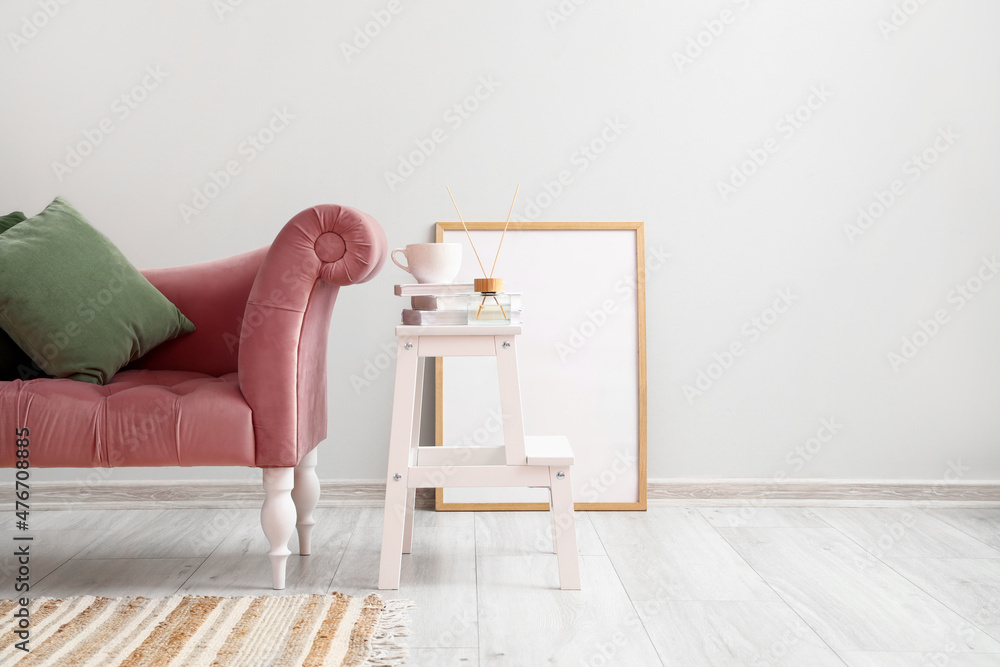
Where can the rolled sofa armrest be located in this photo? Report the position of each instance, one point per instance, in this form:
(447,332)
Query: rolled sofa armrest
(285,329)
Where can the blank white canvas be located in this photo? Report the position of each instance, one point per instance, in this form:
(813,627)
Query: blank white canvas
(583,385)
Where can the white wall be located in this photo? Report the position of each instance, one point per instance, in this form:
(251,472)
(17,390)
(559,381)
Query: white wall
(680,130)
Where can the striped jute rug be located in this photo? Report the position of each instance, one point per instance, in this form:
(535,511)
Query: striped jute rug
(188,630)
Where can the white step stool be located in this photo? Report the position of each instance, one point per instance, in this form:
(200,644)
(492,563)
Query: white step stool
(539,461)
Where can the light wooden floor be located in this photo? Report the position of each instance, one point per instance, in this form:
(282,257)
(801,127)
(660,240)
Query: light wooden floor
(863,587)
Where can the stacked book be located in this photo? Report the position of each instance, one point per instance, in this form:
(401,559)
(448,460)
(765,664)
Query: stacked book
(445,303)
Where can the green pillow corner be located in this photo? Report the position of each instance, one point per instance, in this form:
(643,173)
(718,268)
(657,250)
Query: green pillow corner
(72,301)
(8,221)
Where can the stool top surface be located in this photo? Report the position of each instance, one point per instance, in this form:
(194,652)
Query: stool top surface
(458,330)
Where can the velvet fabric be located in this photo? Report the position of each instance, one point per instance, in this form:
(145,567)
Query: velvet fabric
(139,418)
(71,300)
(247,388)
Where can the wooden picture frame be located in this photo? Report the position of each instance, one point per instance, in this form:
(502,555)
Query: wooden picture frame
(582,277)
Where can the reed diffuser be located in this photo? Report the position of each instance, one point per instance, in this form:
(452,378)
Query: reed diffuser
(490,304)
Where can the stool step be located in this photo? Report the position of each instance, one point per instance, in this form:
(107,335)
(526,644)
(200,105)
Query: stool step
(548,450)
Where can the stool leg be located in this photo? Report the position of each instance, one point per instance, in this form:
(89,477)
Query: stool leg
(552,522)
(411,494)
(400,434)
(565,528)
(411,500)
(510,400)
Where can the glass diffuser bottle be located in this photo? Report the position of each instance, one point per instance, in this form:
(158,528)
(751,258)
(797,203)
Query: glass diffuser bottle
(489,304)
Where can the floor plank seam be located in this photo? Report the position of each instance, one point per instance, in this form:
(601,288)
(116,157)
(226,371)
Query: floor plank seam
(960,529)
(618,574)
(773,590)
(50,573)
(944,604)
(340,561)
(68,559)
(902,575)
(204,560)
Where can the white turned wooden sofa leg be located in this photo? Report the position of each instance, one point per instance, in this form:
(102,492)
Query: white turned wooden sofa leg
(305,495)
(277,518)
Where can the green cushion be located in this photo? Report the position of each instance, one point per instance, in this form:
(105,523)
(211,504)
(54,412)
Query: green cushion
(8,221)
(70,299)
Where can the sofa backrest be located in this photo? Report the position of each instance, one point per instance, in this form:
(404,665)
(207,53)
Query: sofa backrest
(213,295)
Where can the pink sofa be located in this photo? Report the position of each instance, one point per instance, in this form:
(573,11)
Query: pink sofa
(247,388)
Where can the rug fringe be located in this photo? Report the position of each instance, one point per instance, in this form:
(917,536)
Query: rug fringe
(386,648)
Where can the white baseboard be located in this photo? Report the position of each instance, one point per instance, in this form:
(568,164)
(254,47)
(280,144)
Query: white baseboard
(114,494)
(819,492)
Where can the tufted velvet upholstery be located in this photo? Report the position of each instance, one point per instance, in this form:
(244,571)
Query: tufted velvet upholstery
(247,388)
(140,418)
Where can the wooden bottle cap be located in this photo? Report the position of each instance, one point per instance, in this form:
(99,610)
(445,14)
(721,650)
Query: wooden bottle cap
(489,284)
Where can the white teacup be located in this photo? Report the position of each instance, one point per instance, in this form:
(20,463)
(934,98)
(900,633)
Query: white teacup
(431,262)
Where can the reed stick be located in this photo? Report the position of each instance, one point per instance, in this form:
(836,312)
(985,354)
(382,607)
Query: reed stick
(502,236)
(466,231)
(480,311)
